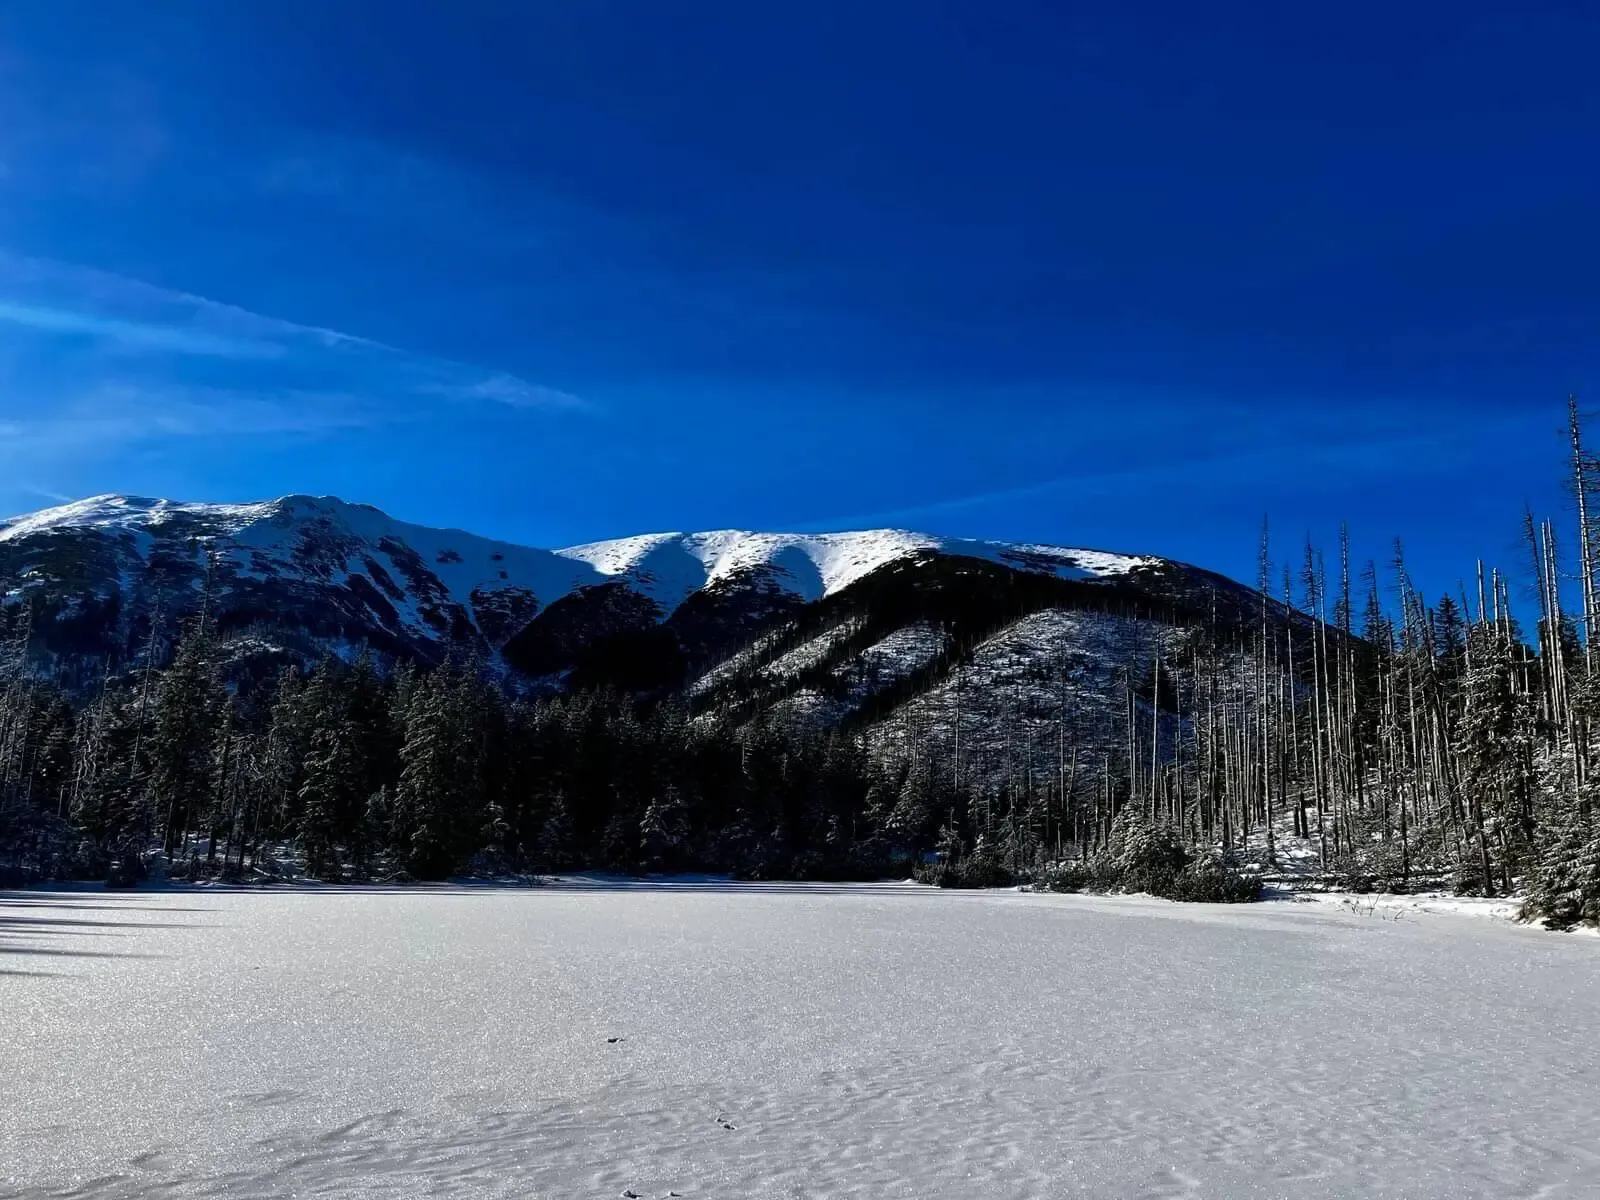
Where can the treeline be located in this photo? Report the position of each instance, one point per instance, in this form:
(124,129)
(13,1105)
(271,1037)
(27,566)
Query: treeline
(350,772)
(362,774)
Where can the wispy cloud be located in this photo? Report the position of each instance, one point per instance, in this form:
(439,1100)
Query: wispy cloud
(44,493)
(509,390)
(1308,445)
(112,313)
(98,372)
(941,507)
(175,339)
(126,415)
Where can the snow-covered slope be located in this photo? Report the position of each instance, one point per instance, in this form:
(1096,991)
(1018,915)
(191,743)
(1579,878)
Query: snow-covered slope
(130,513)
(328,540)
(280,530)
(830,627)
(311,560)
(669,567)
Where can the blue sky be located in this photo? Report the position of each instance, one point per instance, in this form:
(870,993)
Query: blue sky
(1122,275)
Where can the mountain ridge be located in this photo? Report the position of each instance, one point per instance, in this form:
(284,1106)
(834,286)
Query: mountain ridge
(871,630)
(331,540)
(718,550)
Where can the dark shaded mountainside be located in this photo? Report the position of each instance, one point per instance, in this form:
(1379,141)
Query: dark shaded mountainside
(885,632)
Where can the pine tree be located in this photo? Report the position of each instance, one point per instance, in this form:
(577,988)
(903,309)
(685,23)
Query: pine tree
(334,777)
(555,837)
(425,788)
(664,832)
(1565,889)
(1489,737)
(284,755)
(188,699)
(915,809)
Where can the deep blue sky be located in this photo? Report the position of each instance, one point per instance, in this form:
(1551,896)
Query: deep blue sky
(1121,275)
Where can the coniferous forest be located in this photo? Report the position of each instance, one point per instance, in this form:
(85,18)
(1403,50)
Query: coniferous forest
(1396,741)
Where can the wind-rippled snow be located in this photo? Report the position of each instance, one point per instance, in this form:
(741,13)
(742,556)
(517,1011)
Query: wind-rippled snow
(785,1041)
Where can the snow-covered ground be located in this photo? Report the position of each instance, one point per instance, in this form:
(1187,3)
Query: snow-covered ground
(750,1040)
(1397,907)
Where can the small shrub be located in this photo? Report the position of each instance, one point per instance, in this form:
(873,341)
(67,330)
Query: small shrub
(1466,877)
(1144,849)
(1065,877)
(1376,866)
(1208,878)
(1565,888)
(85,860)
(1212,879)
(127,870)
(965,873)
(1141,857)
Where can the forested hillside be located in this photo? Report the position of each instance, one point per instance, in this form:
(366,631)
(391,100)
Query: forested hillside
(1078,730)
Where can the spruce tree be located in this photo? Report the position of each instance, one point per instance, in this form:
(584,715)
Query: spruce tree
(183,729)
(1565,888)
(1492,746)
(334,777)
(425,787)
(555,837)
(664,832)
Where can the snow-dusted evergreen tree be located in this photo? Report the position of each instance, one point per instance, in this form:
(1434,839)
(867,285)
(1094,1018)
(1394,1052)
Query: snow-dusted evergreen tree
(915,809)
(664,832)
(1565,888)
(1494,747)
(188,703)
(332,790)
(555,837)
(428,784)
(283,758)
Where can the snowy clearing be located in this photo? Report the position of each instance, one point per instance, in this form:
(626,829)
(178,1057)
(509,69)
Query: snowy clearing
(750,1040)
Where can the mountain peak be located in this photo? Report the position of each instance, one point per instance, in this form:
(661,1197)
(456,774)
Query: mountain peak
(733,617)
(669,566)
(325,562)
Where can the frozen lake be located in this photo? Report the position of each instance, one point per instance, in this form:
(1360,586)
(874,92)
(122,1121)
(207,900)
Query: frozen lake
(786,1041)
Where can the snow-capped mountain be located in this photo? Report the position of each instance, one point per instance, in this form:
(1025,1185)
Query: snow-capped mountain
(669,567)
(881,628)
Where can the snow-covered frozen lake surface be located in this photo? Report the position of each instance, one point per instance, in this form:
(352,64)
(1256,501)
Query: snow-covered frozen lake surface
(786,1041)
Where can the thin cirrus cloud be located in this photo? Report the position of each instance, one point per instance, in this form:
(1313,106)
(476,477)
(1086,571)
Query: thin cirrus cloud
(110,417)
(176,339)
(1304,447)
(127,333)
